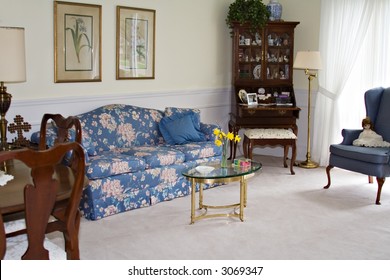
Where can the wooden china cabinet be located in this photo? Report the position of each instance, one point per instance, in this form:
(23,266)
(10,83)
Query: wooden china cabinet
(263,65)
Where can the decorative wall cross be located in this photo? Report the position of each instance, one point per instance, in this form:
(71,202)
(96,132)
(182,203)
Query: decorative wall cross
(19,126)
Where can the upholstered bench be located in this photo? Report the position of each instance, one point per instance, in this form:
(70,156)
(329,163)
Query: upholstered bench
(271,137)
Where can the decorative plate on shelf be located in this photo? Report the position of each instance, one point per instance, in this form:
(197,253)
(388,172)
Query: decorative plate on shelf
(261,90)
(242,95)
(257,72)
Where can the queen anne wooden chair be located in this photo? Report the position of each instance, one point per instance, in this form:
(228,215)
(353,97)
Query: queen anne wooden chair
(67,129)
(2,238)
(63,126)
(40,196)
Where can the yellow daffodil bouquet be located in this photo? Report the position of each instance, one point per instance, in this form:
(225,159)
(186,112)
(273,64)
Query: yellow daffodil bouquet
(221,139)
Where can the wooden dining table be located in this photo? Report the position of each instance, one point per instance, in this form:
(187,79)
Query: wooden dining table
(12,193)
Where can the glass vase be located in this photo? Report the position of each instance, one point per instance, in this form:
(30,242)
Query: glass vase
(224,160)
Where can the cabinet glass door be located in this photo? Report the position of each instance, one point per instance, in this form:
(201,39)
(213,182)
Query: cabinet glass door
(278,56)
(250,52)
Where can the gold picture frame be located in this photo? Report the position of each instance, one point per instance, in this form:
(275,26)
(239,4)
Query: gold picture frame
(77,42)
(135,43)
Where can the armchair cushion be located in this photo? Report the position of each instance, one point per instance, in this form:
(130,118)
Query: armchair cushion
(365,154)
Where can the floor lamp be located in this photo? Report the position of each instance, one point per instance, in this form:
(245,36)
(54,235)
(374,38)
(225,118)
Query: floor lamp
(308,60)
(12,70)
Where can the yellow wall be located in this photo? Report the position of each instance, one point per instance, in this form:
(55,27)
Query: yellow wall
(193,46)
(193,60)
(307,12)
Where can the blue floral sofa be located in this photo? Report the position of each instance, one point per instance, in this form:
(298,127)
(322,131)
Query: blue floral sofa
(135,156)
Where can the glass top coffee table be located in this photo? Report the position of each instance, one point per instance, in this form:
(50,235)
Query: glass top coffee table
(210,173)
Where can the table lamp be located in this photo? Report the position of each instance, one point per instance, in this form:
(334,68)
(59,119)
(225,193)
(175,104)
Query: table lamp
(308,60)
(12,70)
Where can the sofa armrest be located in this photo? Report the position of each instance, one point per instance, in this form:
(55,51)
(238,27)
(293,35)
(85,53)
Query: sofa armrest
(208,130)
(51,136)
(350,135)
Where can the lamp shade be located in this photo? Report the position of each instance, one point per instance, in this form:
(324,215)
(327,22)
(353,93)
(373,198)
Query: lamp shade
(310,60)
(12,55)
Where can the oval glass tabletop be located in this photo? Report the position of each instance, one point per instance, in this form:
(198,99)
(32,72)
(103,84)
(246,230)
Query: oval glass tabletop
(215,171)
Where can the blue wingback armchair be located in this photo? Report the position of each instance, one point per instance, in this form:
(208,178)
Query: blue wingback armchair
(366,160)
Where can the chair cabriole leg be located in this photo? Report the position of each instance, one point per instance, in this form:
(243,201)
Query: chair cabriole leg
(328,168)
(380,181)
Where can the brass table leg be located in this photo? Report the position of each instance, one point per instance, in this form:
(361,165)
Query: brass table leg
(239,206)
(200,195)
(245,192)
(242,197)
(193,189)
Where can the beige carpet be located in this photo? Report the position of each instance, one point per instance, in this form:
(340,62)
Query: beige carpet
(288,217)
(17,245)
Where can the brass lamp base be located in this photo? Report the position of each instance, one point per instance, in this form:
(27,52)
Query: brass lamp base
(308,164)
(5,103)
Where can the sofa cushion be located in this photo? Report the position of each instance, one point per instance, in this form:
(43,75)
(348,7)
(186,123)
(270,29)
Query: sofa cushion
(367,154)
(200,150)
(156,156)
(113,163)
(181,129)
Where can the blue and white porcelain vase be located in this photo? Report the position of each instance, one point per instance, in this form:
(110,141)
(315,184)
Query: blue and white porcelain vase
(275,8)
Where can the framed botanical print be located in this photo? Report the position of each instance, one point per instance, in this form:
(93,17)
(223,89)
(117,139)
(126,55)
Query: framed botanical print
(77,42)
(135,42)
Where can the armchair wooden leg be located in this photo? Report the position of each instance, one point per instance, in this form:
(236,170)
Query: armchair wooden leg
(370,180)
(328,168)
(380,181)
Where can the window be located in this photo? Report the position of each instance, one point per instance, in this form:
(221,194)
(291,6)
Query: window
(355,48)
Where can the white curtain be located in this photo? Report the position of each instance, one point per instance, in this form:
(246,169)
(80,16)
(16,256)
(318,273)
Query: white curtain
(354,46)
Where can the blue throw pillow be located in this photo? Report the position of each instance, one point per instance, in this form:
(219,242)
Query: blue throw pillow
(175,112)
(180,129)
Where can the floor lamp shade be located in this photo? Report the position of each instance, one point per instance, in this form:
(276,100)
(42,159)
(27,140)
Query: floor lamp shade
(12,55)
(308,60)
